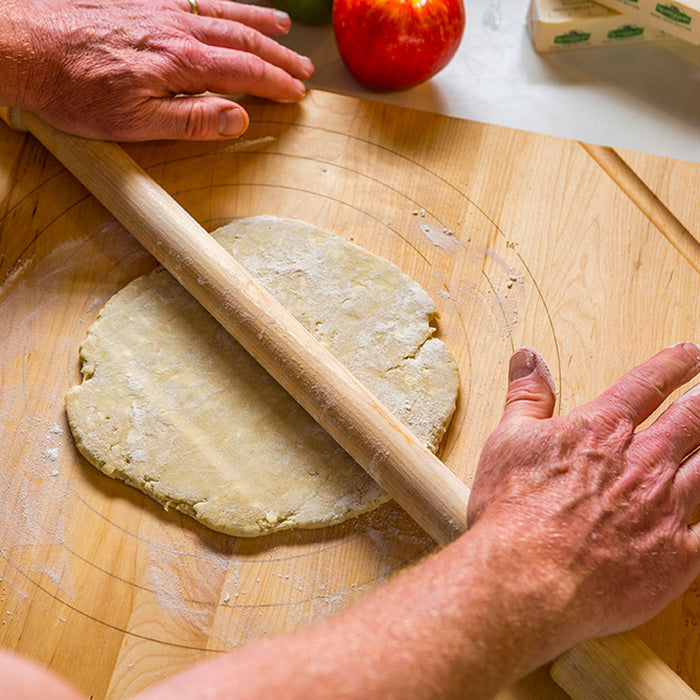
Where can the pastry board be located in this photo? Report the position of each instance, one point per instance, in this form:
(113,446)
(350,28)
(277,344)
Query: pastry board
(521,239)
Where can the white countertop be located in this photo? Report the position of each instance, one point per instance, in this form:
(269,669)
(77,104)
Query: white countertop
(643,97)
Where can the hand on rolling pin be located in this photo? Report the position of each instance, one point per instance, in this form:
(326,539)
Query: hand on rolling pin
(603,505)
(580,527)
(133,70)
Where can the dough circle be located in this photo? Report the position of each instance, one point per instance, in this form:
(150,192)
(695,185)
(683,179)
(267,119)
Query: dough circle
(172,405)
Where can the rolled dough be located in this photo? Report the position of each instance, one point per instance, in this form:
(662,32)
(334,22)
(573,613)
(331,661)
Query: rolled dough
(172,405)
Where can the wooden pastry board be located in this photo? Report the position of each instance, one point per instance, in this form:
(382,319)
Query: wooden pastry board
(519,238)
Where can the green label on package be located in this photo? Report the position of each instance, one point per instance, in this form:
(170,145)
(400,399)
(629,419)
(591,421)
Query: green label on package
(625,32)
(572,37)
(673,13)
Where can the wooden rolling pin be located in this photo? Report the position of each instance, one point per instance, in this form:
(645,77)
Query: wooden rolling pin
(429,492)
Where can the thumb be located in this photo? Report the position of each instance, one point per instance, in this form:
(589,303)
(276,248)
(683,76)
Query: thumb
(201,118)
(531,391)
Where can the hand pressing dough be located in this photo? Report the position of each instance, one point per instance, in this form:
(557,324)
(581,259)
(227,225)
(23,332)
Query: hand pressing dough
(172,405)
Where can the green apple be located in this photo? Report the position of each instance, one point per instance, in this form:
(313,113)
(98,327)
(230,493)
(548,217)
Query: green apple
(307,11)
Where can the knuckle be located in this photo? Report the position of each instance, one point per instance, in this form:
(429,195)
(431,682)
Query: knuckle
(197,122)
(215,10)
(254,68)
(690,407)
(606,427)
(248,39)
(651,378)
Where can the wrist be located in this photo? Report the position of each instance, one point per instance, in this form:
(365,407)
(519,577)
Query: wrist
(529,593)
(480,614)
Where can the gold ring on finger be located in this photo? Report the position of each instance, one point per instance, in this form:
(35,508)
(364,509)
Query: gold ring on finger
(194,7)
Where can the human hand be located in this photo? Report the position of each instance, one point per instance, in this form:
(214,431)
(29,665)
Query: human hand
(603,505)
(134,70)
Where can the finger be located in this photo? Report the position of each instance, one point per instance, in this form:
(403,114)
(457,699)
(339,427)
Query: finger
(229,35)
(265,19)
(234,72)
(687,483)
(676,432)
(694,545)
(189,118)
(642,390)
(531,392)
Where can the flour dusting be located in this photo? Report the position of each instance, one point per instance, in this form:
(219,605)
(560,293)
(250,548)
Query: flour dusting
(443,238)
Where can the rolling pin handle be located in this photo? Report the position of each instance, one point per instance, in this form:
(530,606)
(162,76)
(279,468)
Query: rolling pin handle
(624,666)
(12,116)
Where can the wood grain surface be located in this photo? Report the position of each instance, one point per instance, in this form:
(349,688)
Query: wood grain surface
(519,238)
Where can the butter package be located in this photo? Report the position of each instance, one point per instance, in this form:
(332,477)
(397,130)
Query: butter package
(555,25)
(679,19)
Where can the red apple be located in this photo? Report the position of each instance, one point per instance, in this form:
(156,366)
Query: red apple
(396,44)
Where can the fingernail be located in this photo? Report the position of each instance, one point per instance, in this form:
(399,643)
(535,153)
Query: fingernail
(693,349)
(301,92)
(689,346)
(231,122)
(308,66)
(301,88)
(525,361)
(522,364)
(284,21)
